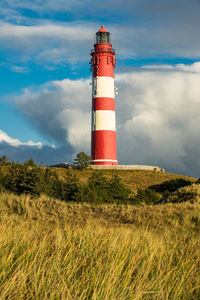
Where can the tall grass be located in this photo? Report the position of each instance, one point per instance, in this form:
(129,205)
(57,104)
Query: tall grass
(54,250)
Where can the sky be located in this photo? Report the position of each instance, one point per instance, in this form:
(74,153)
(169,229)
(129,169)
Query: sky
(45,91)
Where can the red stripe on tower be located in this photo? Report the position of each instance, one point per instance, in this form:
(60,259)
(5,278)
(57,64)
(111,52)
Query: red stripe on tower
(103,104)
(103,148)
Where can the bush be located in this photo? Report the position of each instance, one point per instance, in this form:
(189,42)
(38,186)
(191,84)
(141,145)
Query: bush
(118,191)
(102,190)
(30,179)
(24,179)
(146,196)
(65,189)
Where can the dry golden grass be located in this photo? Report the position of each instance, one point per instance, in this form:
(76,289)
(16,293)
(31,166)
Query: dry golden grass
(187,193)
(56,250)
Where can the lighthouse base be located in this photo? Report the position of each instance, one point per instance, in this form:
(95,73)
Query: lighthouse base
(125,167)
(104,162)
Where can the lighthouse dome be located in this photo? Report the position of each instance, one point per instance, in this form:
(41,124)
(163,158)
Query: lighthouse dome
(103,36)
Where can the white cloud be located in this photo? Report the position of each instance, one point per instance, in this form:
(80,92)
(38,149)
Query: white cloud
(45,5)
(47,42)
(69,31)
(77,125)
(4,138)
(60,110)
(16,150)
(19,69)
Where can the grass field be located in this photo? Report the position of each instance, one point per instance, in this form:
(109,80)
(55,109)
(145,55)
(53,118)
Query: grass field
(134,179)
(56,250)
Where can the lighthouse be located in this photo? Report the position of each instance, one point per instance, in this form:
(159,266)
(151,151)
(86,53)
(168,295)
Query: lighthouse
(103,136)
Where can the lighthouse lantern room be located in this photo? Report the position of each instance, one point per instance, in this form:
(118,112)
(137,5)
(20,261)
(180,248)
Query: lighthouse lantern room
(103,62)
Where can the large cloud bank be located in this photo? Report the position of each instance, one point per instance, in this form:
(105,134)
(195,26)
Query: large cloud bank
(157,112)
(159,120)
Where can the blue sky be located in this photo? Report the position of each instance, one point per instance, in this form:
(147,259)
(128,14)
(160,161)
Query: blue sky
(45,96)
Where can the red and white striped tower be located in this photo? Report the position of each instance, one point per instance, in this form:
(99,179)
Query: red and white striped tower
(103,146)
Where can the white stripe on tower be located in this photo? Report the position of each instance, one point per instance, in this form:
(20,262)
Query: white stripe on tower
(103,87)
(107,160)
(103,120)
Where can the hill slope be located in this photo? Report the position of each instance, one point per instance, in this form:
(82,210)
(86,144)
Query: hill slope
(131,178)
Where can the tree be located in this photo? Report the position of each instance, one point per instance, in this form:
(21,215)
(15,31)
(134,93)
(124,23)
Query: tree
(82,160)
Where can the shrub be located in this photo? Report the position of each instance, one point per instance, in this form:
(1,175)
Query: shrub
(30,179)
(117,190)
(65,189)
(146,196)
(102,190)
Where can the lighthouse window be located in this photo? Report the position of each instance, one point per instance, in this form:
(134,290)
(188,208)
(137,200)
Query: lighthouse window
(103,37)
(94,92)
(93,120)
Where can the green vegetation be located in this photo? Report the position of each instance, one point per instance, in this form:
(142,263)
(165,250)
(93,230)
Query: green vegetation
(146,196)
(82,185)
(51,249)
(103,190)
(28,178)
